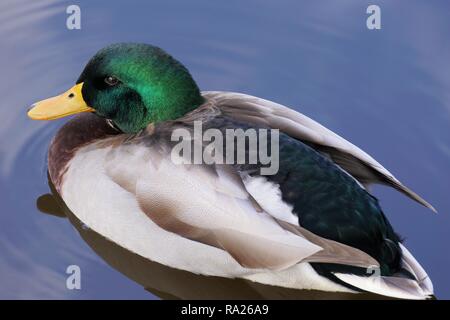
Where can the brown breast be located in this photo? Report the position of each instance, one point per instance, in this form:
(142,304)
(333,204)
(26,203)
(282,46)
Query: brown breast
(79,131)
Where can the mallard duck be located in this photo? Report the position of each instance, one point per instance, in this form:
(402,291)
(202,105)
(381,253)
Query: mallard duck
(312,224)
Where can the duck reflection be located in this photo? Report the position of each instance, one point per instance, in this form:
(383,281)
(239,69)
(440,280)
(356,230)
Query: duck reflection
(169,283)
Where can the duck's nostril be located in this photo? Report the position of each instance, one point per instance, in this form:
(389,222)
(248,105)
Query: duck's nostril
(71,95)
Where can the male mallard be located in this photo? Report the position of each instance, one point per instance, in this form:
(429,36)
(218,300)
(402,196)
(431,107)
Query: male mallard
(311,225)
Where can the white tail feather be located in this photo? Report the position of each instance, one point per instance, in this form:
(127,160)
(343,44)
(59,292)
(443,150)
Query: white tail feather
(401,288)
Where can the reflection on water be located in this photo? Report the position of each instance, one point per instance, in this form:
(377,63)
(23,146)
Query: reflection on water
(387,91)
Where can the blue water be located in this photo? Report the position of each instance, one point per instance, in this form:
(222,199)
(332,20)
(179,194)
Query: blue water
(386,90)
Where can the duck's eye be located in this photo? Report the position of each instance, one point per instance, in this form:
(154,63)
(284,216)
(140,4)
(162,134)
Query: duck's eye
(111,81)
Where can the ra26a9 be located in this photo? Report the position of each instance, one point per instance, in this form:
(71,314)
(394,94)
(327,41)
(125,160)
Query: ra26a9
(246,309)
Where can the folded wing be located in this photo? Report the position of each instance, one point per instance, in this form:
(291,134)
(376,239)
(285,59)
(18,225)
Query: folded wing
(352,159)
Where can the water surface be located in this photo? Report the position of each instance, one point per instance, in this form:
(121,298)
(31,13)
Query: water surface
(387,91)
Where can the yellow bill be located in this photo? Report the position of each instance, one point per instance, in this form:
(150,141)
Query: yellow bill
(70,102)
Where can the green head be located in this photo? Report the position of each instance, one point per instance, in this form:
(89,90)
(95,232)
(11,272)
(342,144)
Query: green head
(131,84)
